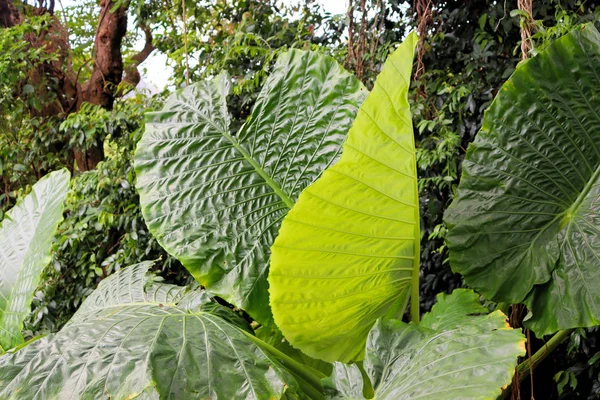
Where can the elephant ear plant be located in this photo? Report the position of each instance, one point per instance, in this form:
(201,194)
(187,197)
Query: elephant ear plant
(347,256)
(215,198)
(25,241)
(135,337)
(341,266)
(443,357)
(525,227)
(348,252)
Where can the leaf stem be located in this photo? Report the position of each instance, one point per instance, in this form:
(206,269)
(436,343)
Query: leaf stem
(415,312)
(415,303)
(523,369)
(415,309)
(309,375)
(309,390)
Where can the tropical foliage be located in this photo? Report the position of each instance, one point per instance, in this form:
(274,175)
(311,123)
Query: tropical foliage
(213,198)
(347,252)
(25,240)
(524,227)
(139,337)
(262,233)
(103,229)
(135,323)
(440,358)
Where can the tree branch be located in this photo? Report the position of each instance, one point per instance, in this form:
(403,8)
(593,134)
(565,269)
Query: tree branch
(148,46)
(107,72)
(132,74)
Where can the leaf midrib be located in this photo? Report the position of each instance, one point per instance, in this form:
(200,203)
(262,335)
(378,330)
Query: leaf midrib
(93,312)
(566,216)
(586,190)
(260,171)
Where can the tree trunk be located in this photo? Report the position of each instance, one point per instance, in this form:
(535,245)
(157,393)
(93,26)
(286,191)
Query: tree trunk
(9,15)
(55,82)
(107,72)
(108,62)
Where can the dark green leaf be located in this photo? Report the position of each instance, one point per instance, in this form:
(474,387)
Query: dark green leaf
(214,199)
(525,226)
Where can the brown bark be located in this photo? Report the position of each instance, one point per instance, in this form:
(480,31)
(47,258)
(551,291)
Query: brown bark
(107,70)
(9,15)
(56,85)
(64,88)
(54,40)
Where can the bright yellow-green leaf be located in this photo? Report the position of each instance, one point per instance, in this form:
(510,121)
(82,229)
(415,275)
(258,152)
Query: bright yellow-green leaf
(347,250)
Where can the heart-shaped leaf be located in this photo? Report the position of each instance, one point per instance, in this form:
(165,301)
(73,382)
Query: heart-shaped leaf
(525,225)
(135,337)
(458,351)
(215,199)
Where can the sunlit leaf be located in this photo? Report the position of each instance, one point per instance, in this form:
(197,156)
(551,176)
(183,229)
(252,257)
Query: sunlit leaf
(25,241)
(346,252)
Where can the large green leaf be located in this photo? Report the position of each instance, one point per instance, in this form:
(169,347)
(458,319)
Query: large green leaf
(346,252)
(134,284)
(25,241)
(141,344)
(458,351)
(215,200)
(525,224)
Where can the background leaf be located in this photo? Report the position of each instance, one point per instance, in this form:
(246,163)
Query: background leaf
(346,252)
(462,357)
(138,348)
(525,225)
(214,200)
(345,382)
(25,241)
